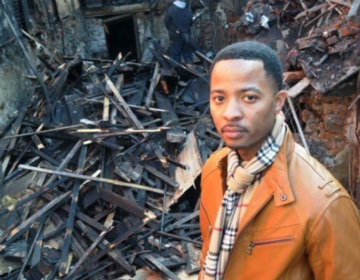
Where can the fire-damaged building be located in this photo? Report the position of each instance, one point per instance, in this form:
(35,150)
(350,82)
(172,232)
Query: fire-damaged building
(103,135)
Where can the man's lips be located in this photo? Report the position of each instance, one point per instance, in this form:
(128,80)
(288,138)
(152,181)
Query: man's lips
(233,132)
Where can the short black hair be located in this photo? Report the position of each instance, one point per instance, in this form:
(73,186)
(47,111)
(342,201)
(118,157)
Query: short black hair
(252,50)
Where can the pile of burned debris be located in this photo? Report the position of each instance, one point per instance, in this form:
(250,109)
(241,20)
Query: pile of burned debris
(318,37)
(94,164)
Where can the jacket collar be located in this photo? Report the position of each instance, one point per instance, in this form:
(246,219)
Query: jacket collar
(276,175)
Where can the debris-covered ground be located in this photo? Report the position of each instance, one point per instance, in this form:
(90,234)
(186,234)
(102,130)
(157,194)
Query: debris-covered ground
(104,153)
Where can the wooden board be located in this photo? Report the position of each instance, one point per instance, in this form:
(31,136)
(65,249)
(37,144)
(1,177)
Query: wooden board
(190,157)
(66,7)
(354,8)
(299,87)
(117,10)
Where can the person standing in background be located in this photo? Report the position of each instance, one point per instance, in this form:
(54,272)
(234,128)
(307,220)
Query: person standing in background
(178,21)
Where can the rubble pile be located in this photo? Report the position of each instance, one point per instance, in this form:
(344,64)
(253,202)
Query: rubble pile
(97,162)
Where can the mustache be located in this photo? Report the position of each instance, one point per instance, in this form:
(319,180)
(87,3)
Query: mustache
(234,126)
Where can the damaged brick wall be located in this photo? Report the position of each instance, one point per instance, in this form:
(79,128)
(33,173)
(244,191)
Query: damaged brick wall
(326,120)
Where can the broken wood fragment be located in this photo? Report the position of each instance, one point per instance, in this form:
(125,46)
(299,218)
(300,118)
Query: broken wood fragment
(161,176)
(71,218)
(114,254)
(161,267)
(354,8)
(320,15)
(154,81)
(295,76)
(312,10)
(116,10)
(84,177)
(299,87)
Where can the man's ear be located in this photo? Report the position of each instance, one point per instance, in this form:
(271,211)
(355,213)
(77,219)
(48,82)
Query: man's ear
(280,99)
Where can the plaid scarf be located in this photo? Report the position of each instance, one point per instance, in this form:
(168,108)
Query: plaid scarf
(228,217)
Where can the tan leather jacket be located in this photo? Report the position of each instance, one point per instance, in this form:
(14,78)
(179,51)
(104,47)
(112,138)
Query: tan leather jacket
(301,224)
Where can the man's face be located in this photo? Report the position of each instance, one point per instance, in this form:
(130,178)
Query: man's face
(243,104)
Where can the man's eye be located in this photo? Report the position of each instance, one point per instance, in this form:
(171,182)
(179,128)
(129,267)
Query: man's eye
(250,98)
(219,98)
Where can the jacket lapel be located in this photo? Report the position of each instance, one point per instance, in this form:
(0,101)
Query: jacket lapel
(274,183)
(261,197)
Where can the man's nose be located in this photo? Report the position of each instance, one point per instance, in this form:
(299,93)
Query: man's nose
(233,111)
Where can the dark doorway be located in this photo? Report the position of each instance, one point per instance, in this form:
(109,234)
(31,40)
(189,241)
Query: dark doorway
(121,36)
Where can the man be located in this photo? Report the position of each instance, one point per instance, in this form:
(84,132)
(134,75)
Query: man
(178,21)
(268,209)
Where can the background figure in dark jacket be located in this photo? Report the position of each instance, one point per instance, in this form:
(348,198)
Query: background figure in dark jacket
(178,21)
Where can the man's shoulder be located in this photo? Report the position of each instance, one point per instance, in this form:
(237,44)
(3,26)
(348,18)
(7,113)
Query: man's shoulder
(313,185)
(212,162)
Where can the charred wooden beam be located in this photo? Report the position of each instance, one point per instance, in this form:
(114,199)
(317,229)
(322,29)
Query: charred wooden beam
(117,10)
(114,254)
(86,255)
(161,176)
(37,250)
(76,126)
(182,221)
(65,162)
(161,267)
(52,205)
(86,219)
(84,177)
(154,81)
(70,221)
(20,276)
(125,204)
(44,156)
(32,196)
(175,134)
(139,225)
(174,236)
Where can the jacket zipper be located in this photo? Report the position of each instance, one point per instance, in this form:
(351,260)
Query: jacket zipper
(252,244)
(254,214)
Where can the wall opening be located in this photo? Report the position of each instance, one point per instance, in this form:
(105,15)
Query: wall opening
(121,36)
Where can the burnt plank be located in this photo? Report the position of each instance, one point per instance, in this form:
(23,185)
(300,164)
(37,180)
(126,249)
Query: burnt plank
(123,203)
(86,255)
(36,139)
(154,80)
(176,133)
(52,205)
(90,178)
(161,267)
(72,213)
(40,229)
(161,176)
(114,254)
(75,109)
(66,161)
(115,243)
(86,219)
(44,156)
